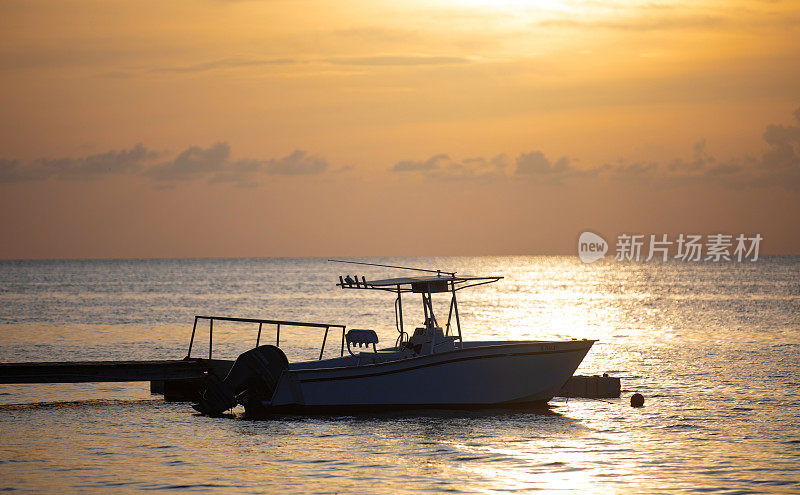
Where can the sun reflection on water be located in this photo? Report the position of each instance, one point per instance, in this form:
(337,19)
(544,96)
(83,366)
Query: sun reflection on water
(713,348)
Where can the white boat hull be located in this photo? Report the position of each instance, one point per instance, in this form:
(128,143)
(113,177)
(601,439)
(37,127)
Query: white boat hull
(482,374)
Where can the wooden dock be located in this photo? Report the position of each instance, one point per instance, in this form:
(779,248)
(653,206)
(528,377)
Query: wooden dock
(111,371)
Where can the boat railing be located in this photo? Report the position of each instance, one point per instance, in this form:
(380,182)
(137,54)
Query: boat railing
(261,323)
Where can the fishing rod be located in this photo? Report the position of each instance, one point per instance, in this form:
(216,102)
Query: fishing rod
(452,274)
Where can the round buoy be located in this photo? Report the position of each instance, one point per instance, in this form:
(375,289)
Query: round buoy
(637,400)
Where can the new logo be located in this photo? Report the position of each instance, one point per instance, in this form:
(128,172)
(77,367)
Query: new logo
(591,247)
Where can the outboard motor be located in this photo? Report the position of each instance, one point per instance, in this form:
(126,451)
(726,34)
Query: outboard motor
(254,375)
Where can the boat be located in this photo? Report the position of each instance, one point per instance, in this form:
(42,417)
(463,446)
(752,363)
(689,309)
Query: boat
(429,367)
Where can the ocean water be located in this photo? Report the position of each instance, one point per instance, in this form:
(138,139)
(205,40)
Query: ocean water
(713,347)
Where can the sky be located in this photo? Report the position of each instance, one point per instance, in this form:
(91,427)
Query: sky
(246,128)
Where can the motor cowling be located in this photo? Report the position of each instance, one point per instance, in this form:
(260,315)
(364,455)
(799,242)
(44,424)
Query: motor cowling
(253,376)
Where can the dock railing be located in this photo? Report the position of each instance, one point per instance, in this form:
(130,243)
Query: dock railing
(261,323)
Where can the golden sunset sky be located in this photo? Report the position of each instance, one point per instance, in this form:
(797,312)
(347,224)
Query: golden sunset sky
(353,128)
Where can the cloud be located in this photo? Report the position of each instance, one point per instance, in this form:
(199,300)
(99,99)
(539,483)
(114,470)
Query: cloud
(399,60)
(778,166)
(236,63)
(227,63)
(371,35)
(193,163)
(537,167)
(213,164)
(652,17)
(659,23)
(533,166)
(431,163)
(296,163)
(442,167)
(86,168)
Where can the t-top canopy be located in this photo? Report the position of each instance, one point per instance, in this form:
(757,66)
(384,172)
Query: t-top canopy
(442,283)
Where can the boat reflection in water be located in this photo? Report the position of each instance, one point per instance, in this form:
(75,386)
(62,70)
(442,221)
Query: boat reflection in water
(433,367)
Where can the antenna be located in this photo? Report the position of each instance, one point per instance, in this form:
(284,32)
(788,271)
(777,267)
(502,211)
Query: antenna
(452,274)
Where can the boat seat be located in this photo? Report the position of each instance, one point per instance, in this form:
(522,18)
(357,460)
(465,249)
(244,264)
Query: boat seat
(361,338)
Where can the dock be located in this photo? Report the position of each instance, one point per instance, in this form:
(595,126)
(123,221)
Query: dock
(179,379)
(111,371)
